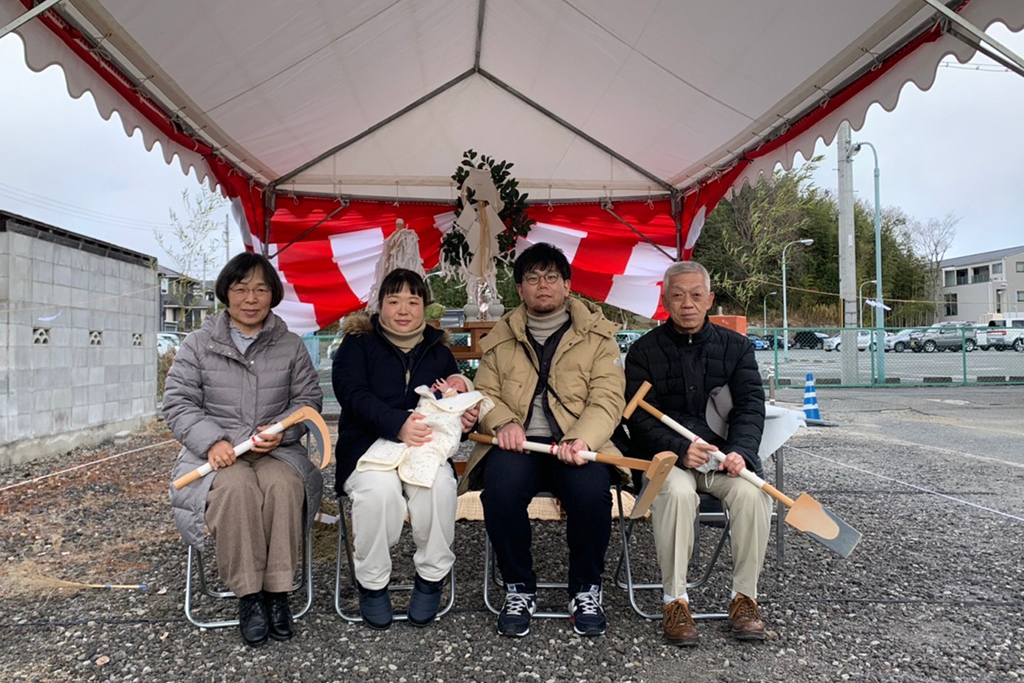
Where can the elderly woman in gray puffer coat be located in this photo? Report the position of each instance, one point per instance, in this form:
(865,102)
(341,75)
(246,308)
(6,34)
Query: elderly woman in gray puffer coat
(240,373)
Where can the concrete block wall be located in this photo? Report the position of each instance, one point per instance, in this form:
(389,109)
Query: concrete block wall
(78,382)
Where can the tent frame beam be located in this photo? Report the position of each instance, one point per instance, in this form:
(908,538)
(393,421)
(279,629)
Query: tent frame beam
(273,185)
(476,69)
(970,34)
(28,16)
(607,206)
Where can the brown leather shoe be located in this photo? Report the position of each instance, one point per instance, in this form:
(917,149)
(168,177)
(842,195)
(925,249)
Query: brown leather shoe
(678,625)
(745,619)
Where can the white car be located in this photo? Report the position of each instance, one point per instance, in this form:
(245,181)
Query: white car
(166,341)
(863,341)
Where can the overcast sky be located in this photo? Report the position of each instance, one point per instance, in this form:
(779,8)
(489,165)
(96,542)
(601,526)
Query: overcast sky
(956,148)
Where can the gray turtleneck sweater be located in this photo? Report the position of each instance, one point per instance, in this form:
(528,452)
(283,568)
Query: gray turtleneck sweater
(541,328)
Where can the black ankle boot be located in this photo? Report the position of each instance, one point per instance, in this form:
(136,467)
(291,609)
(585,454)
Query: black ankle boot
(279,614)
(252,619)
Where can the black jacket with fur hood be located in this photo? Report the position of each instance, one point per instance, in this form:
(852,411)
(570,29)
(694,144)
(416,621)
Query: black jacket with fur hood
(371,384)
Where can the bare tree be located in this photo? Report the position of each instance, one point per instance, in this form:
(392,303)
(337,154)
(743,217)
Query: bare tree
(194,245)
(931,240)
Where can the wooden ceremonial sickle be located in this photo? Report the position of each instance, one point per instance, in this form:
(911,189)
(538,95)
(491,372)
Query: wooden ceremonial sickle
(805,513)
(655,470)
(308,416)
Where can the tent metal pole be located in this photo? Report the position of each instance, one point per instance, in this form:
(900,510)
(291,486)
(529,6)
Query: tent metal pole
(677,217)
(1016,63)
(341,205)
(607,206)
(27,17)
(576,131)
(994,56)
(372,129)
(481,10)
(269,205)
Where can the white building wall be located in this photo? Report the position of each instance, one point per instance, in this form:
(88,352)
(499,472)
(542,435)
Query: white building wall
(97,372)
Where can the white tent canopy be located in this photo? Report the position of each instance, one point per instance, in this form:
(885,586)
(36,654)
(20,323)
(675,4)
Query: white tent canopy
(589,98)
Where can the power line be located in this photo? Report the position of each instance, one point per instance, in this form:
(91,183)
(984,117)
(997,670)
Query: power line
(74,211)
(983,68)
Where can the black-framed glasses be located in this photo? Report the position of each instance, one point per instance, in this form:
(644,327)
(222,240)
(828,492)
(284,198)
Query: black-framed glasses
(550,277)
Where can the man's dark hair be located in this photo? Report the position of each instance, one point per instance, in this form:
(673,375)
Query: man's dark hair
(403,278)
(239,267)
(541,256)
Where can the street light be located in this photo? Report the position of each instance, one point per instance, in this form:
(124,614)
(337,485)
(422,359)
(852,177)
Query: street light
(785,311)
(764,309)
(879,310)
(860,299)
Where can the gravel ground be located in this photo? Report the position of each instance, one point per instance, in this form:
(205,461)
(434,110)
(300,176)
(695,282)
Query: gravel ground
(934,592)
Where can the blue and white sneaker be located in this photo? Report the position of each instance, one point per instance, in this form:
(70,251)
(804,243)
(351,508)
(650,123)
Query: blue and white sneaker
(585,613)
(514,618)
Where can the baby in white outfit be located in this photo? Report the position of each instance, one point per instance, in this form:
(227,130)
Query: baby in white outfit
(418,464)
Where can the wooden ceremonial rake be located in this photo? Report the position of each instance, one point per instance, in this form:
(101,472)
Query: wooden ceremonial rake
(805,513)
(655,470)
(308,416)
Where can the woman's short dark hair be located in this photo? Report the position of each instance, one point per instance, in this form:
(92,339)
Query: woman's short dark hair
(239,267)
(403,278)
(541,256)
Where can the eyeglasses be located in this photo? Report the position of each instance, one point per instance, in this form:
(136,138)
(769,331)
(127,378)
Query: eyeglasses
(260,291)
(550,277)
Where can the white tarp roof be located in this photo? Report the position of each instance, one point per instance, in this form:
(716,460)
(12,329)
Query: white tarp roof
(669,90)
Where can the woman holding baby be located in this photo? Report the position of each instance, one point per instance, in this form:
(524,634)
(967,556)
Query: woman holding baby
(381,361)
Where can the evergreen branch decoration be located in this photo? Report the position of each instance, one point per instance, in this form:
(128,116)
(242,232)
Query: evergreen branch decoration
(454,252)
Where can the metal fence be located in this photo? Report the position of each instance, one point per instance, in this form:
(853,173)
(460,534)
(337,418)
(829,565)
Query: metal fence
(323,347)
(925,356)
(960,356)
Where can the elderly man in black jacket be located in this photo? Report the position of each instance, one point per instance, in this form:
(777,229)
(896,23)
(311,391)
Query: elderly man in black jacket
(696,366)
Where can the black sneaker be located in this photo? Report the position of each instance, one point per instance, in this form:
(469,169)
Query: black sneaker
(514,618)
(585,613)
(425,601)
(375,607)
(252,620)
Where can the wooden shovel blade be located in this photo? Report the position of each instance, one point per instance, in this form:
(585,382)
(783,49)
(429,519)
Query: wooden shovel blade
(654,478)
(823,525)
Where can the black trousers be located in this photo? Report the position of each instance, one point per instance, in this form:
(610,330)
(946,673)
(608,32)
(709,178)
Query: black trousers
(512,479)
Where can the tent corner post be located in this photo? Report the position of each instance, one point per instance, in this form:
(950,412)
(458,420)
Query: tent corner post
(269,204)
(677,218)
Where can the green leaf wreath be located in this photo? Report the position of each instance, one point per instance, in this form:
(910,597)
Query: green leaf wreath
(454,251)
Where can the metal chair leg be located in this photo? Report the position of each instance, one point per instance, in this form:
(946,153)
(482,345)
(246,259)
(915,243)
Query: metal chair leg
(195,559)
(345,552)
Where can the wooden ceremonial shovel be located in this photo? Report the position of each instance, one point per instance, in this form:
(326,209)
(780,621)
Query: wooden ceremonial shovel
(655,470)
(805,513)
(308,416)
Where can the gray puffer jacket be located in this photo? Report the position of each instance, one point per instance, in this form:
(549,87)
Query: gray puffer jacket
(214,393)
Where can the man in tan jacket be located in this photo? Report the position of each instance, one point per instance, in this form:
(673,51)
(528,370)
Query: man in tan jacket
(554,372)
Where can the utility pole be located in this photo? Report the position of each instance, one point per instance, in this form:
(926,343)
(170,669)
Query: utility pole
(847,256)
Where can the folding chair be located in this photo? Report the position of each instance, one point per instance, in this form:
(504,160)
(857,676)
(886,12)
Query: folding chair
(711,512)
(195,557)
(491,574)
(345,553)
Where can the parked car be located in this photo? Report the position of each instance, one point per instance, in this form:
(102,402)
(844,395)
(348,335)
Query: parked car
(807,339)
(943,336)
(167,341)
(760,343)
(625,338)
(1004,334)
(900,341)
(863,341)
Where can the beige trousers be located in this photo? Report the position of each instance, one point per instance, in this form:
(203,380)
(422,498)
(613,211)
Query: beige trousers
(379,504)
(675,509)
(254,511)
